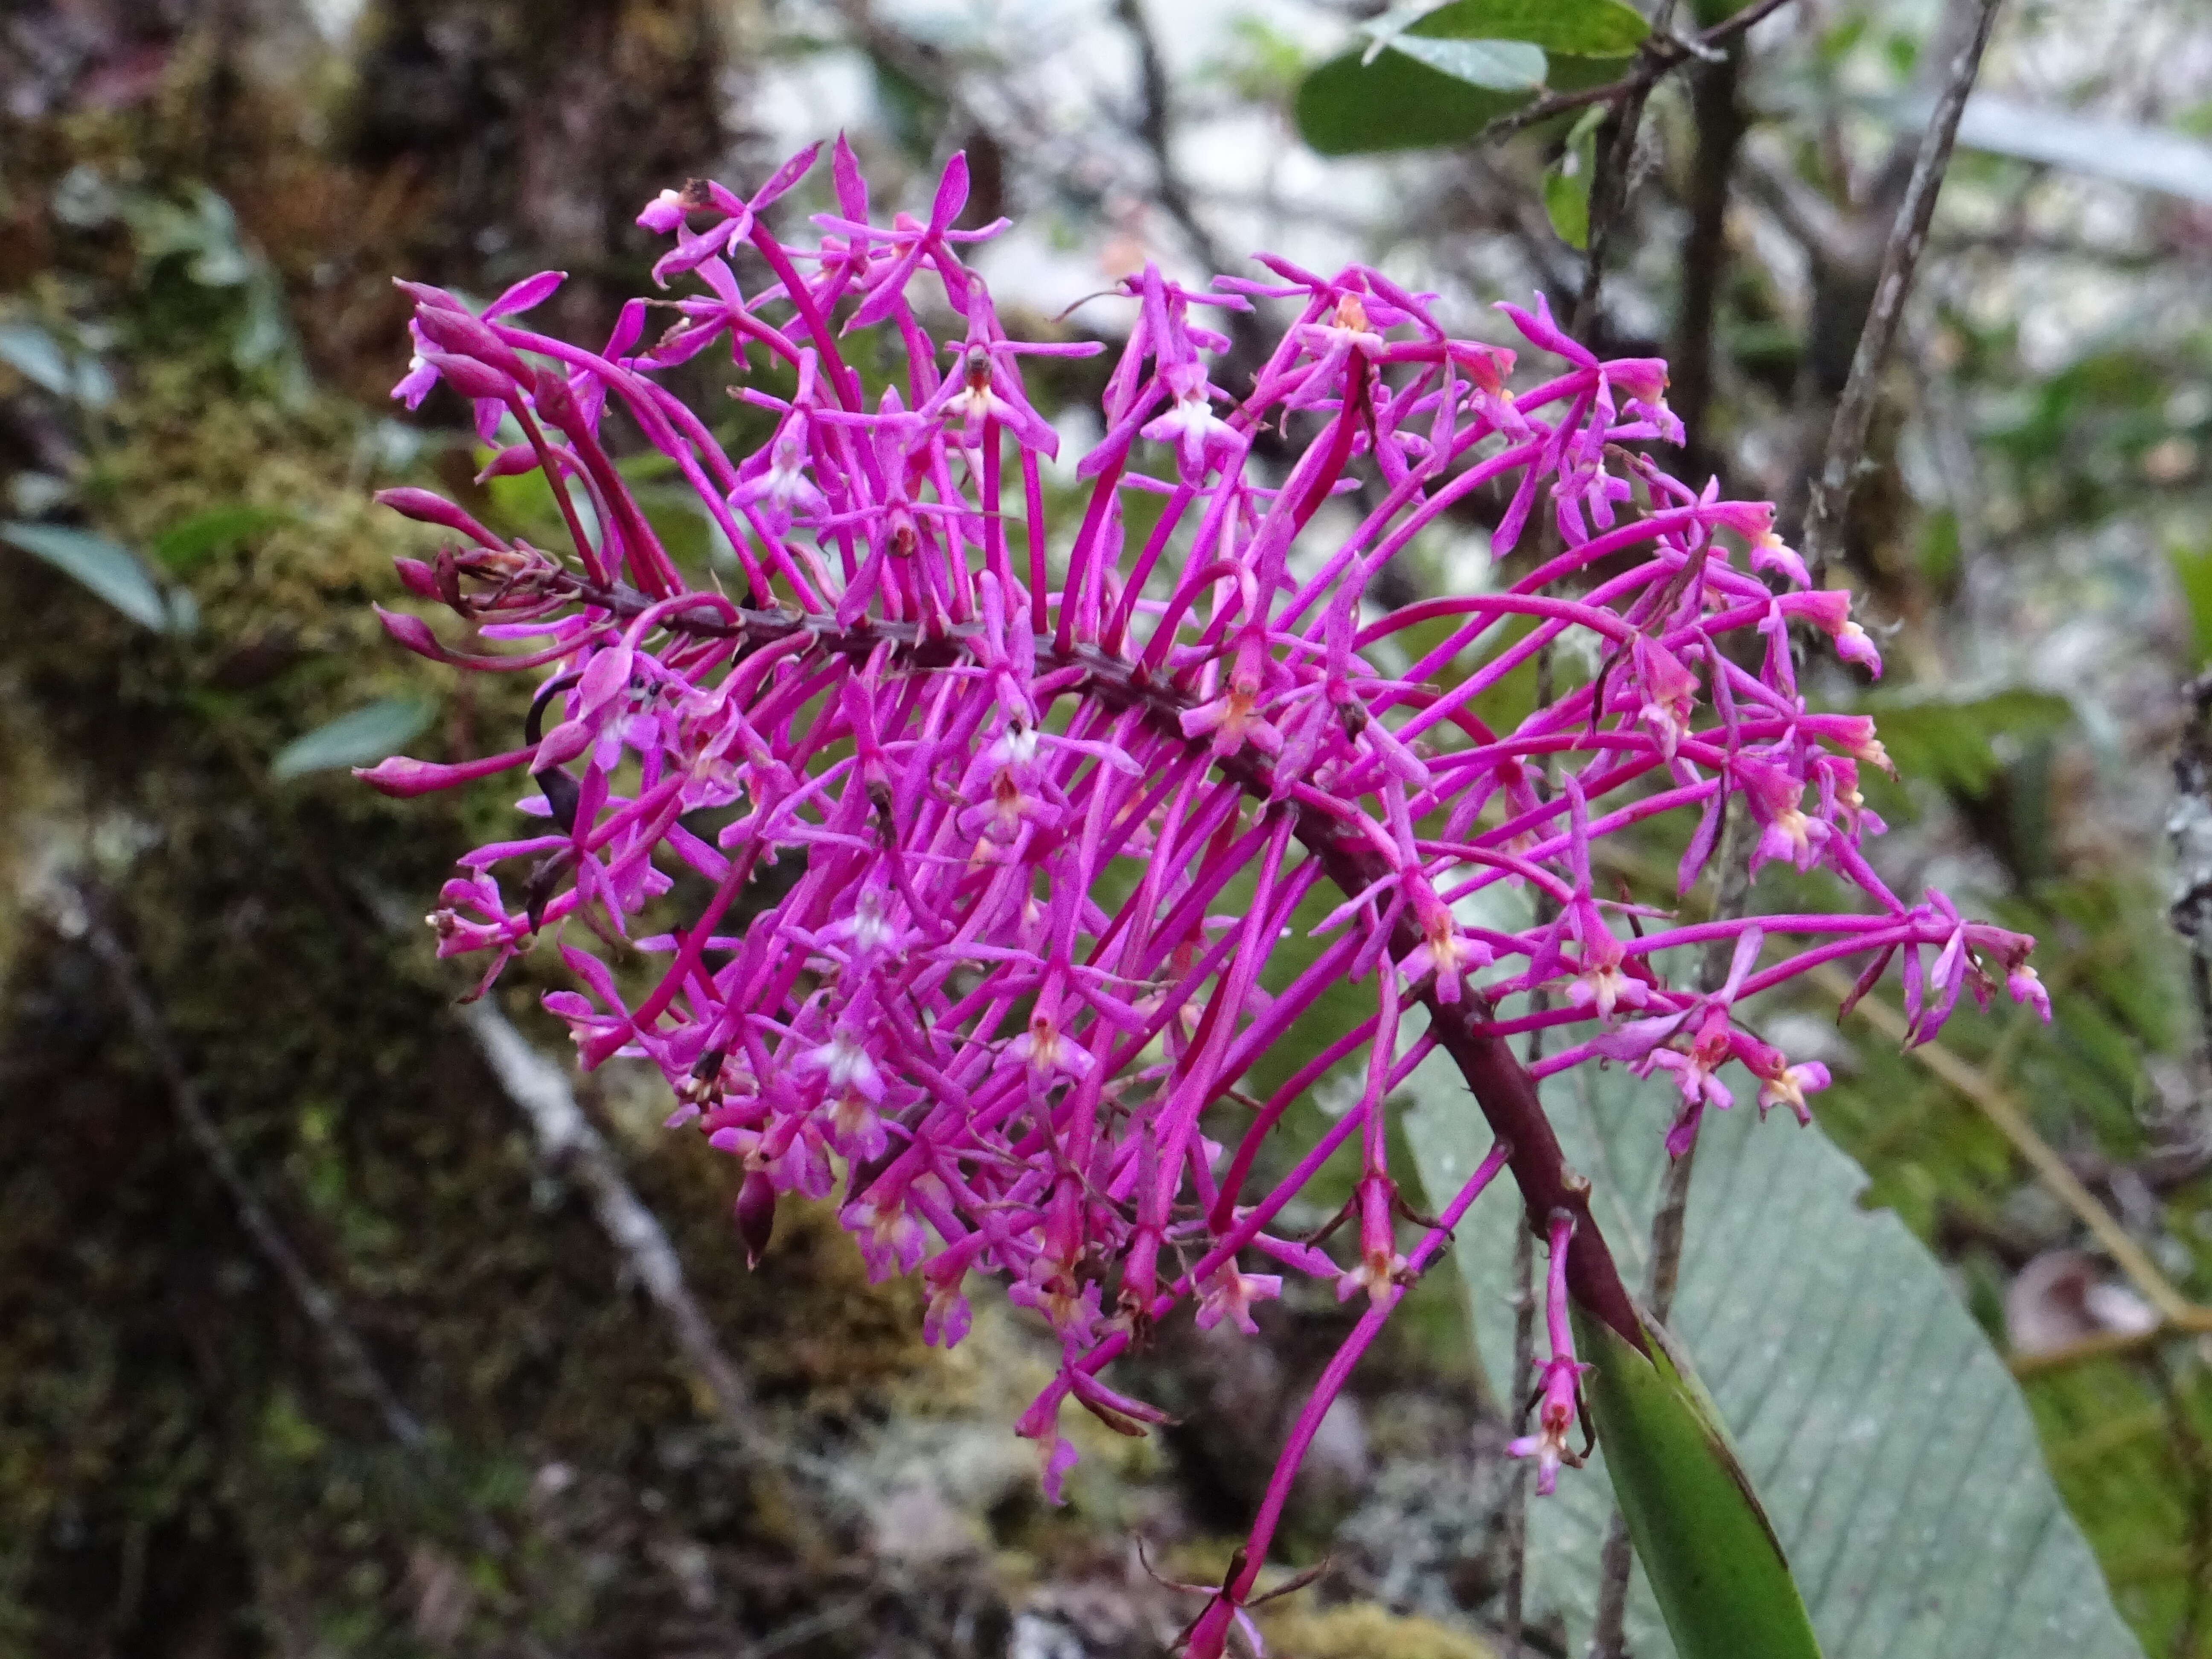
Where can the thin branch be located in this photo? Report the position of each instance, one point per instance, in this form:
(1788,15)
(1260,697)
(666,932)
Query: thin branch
(1614,1559)
(1152,122)
(1718,112)
(1517,1405)
(1608,1628)
(1831,490)
(2103,1345)
(2189,831)
(1660,55)
(1806,216)
(568,1141)
(346,1349)
(1613,179)
(2183,1433)
(822,1622)
(1155,116)
(1958,472)
(1520,1399)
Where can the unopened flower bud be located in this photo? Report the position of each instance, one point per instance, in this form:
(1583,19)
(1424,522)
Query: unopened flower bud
(468,377)
(470,336)
(412,632)
(417,578)
(428,507)
(755,1214)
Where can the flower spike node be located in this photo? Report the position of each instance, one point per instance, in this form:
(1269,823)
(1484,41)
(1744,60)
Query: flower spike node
(1003,823)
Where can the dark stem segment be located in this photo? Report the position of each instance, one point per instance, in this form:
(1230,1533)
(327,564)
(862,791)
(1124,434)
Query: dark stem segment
(1831,492)
(2189,831)
(1507,1094)
(1718,107)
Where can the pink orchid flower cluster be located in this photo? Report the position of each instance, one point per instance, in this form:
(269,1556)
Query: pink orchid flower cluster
(1042,803)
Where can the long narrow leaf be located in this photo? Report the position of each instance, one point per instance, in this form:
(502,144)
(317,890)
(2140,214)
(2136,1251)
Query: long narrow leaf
(111,571)
(1716,1569)
(365,735)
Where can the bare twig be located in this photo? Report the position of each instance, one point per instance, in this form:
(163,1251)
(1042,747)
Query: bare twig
(346,1349)
(821,1622)
(1957,468)
(1718,112)
(2189,831)
(1661,54)
(1155,117)
(2181,1431)
(1613,179)
(2103,1345)
(1518,1404)
(1733,858)
(1607,1629)
(1809,218)
(1831,489)
(567,1140)
(1614,1559)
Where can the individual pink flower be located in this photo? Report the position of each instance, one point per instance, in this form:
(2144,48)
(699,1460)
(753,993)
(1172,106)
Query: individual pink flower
(1230,1295)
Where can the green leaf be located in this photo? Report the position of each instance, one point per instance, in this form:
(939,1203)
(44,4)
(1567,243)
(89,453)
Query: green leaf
(189,541)
(1888,1442)
(1567,181)
(1343,108)
(1567,28)
(1350,107)
(361,738)
(1708,1550)
(35,354)
(1961,743)
(111,571)
(1499,65)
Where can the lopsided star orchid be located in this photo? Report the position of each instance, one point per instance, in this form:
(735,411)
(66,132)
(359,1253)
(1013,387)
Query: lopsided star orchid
(993,829)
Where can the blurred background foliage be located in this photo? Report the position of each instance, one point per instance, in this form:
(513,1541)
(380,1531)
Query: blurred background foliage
(457,1422)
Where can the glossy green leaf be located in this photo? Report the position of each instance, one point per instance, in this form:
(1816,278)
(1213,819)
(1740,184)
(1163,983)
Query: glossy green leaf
(112,571)
(1351,107)
(1888,1442)
(1570,28)
(1348,108)
(1499,65)
(359,738)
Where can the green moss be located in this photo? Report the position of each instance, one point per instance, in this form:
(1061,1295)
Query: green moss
(1362,1630)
